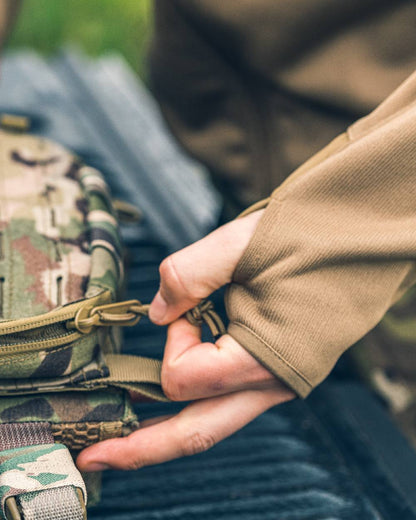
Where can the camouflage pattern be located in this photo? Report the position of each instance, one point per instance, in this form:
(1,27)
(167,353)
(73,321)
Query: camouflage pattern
(97,406)
(76,419)
(45,260)
(37,468)
(86,377)
(107,266)
(59,243)
(51,363)
(54,215)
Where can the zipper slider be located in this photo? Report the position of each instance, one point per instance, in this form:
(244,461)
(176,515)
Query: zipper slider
(121,314)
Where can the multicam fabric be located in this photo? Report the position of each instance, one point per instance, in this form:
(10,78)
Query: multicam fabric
(37,468)
(76,419)
(57,503)
(59,244)
(44,258)
(107,266)
(61,502)
(55,218)
(68,407)
(53,362)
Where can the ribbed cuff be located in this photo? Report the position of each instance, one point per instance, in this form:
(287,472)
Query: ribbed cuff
(270,358)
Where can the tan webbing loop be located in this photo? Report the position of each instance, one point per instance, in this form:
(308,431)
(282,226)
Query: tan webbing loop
(204,312)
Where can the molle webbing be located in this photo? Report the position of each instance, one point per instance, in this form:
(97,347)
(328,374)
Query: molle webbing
(30,461)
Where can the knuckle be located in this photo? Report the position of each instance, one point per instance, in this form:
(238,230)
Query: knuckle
(197,442)
(134,464)
(172,277)
(166,268)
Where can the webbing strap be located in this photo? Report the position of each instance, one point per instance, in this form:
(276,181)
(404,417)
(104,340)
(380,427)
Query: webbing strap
(30,461)
(136,374)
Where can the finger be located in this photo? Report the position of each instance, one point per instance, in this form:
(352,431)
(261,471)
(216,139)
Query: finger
(188,276)
(194,370)
(155,420)
(195,429)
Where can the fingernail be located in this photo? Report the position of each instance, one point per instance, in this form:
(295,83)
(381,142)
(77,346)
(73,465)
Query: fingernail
(158,309)
(97,466)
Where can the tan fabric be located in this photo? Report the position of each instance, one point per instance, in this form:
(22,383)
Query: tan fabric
(254,88)
(334,250)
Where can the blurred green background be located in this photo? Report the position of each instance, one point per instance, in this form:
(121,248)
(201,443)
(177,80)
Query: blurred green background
(96,26)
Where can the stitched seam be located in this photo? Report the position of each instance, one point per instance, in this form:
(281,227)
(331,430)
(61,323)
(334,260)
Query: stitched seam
(273,351)
(36,346)
(376,126)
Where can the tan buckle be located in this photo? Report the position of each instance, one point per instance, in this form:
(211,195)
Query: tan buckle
(125,314)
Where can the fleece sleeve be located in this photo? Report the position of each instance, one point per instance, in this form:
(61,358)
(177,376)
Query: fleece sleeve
(335,248)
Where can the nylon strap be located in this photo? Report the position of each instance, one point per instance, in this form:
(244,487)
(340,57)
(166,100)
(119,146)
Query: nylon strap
(60,503)
(135,374)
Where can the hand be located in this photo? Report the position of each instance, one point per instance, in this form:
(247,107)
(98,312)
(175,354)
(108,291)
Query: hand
(229,386)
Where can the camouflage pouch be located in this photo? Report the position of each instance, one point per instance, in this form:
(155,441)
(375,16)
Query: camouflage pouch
(63,383)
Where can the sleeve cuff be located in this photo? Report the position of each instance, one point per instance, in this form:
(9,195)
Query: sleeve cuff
(272,360)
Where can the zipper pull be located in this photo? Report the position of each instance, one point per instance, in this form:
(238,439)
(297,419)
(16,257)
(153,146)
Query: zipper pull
(128,313)
(121,314)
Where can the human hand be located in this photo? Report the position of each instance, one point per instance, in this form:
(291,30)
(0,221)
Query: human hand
(228,386)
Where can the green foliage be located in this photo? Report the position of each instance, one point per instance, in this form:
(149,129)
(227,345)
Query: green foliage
(96,26)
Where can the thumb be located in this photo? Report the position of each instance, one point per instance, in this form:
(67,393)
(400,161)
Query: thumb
(193,273)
